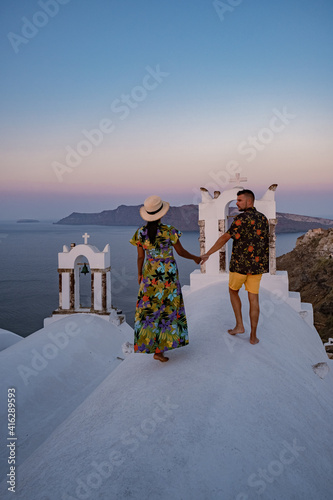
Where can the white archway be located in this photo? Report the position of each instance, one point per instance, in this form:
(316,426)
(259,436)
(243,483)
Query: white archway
(213,217)
(69,268)
(82,296)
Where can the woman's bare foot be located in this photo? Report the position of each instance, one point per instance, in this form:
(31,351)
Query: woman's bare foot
(254,341)
(161,357)
(237,329)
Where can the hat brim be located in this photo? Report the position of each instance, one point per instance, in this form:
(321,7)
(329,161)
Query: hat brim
(149,218)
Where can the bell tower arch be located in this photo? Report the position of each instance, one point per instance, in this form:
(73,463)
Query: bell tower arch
(87,259)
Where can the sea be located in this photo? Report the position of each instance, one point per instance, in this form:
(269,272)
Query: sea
(29,263)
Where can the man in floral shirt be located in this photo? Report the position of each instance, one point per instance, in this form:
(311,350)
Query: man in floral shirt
(249,259)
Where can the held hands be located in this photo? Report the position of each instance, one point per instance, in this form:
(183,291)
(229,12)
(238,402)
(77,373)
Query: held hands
(204,258)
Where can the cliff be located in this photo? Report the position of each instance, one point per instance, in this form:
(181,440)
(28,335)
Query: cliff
(185,218)
(310,271)
(292,223)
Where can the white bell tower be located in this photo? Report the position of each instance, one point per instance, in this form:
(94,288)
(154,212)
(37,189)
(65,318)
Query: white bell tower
(70,262)
(213,222)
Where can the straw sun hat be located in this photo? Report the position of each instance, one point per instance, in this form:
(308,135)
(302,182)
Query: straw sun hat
(154,208)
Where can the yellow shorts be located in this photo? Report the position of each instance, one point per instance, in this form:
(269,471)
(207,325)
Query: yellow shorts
(251,282)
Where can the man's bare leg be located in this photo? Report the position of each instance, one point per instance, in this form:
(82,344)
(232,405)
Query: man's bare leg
(237,307)
(254,316)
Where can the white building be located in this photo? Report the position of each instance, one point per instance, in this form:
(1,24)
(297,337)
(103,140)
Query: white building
(213,222)
(80,259)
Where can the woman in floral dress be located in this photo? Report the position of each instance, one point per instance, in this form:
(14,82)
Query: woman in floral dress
(160,321)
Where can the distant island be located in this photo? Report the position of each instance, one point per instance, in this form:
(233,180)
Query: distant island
(27,220)
(185,218)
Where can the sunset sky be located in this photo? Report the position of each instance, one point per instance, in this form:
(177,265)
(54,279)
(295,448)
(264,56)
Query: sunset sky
(105,102)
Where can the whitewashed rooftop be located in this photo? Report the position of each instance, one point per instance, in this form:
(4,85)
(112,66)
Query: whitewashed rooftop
(223,419)
(8,338)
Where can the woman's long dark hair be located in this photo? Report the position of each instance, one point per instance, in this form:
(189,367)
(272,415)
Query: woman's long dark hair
(152,230)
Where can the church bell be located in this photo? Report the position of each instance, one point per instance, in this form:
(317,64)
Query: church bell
(85,270)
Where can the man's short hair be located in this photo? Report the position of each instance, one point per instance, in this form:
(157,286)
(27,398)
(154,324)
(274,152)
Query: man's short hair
(248,193)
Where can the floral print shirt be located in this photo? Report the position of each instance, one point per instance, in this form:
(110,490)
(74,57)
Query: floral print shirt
(250,250)
(166,237)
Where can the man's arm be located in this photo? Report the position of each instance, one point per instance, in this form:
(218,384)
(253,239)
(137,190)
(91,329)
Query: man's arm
(217,245)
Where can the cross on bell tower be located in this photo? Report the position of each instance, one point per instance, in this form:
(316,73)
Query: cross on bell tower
(85,236)
(238,179)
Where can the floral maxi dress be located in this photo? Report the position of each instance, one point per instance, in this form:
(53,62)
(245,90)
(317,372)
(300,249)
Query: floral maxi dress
(160,321)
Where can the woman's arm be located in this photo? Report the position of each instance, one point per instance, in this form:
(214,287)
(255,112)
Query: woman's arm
(141,258)
(184,253)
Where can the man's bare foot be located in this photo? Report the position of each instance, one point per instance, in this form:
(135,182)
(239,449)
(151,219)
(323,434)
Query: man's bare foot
(161,357)
(236,330)
(254,341)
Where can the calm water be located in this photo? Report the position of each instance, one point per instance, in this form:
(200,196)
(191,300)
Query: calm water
(29,262)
